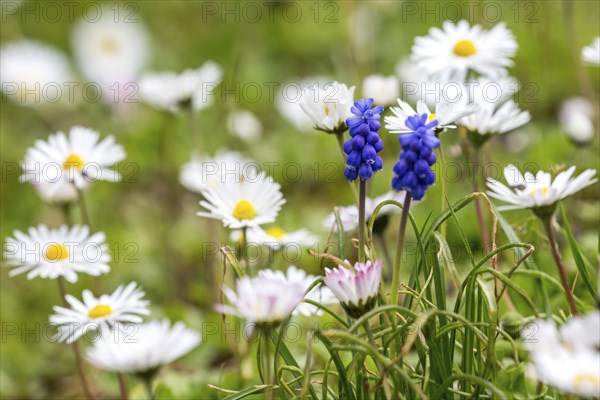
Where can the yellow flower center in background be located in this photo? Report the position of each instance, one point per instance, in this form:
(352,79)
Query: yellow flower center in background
(581,379)
(543,190)
(276,232)
(464,48)
(73,161)
(101,310)
(431,117)
(109,45)
(56,252)
(244,210)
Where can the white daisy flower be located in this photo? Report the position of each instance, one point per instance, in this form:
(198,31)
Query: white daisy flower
(52,253)
(349,214)
(567,358)
(288,102)
(110,50)
(124,305)
(591,54)
(172,92)
(449,54)
(538,191)
(357,287)
(264,300)
(244,125)
(75,160)
(496,112)
(242,201)
(33,74)
(328,106)
(277,238)
(152,345)
(576,116)
(383,89)
(446,114)
(196,173)
(320,293)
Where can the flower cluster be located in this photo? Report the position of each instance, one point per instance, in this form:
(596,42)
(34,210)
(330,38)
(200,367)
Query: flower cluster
(365,143)
(413,171)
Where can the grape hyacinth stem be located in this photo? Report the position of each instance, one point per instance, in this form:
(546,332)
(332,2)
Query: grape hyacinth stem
(398,261)
(361,221)
(122,386)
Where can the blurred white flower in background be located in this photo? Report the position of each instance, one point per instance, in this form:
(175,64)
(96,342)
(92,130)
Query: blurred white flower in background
(196,173)
(349,214)
(192,88)
(244,125)
(52,253)
(568,357)
(591,54)
(576,119)
(328,106)
(452,52)
(320,293)
(276,238)
(497,112)
(124,305)
(63,163)
(154,344)
(288,102)
(32,73)
(383,89)
(111,52)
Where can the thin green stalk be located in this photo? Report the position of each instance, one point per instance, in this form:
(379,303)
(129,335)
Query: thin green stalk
(148,385)
(85,216)
(561,268)
(361,221)
(480,220)
(193,126)
(78,361)
(398,261)
(444,186)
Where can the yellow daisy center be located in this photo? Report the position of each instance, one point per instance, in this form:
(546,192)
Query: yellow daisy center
(276,232)
(73,161)
(431,117)
(581,379)
(56,252)
(101,310)
(464,48)
(244,210)
(109,45)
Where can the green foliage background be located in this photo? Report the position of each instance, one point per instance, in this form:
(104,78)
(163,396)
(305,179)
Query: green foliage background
(153,215)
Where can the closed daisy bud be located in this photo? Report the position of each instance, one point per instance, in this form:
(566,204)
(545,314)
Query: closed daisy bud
(356,288)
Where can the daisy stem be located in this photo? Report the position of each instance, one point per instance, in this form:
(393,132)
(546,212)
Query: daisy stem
(478,210)
(444,186)
(268,378)
(340,139)
(243,250)
(361,221)
(561,268)
(85,217)
(75,346)
(398,261)
(195,136)
(148,386)
(122,386)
